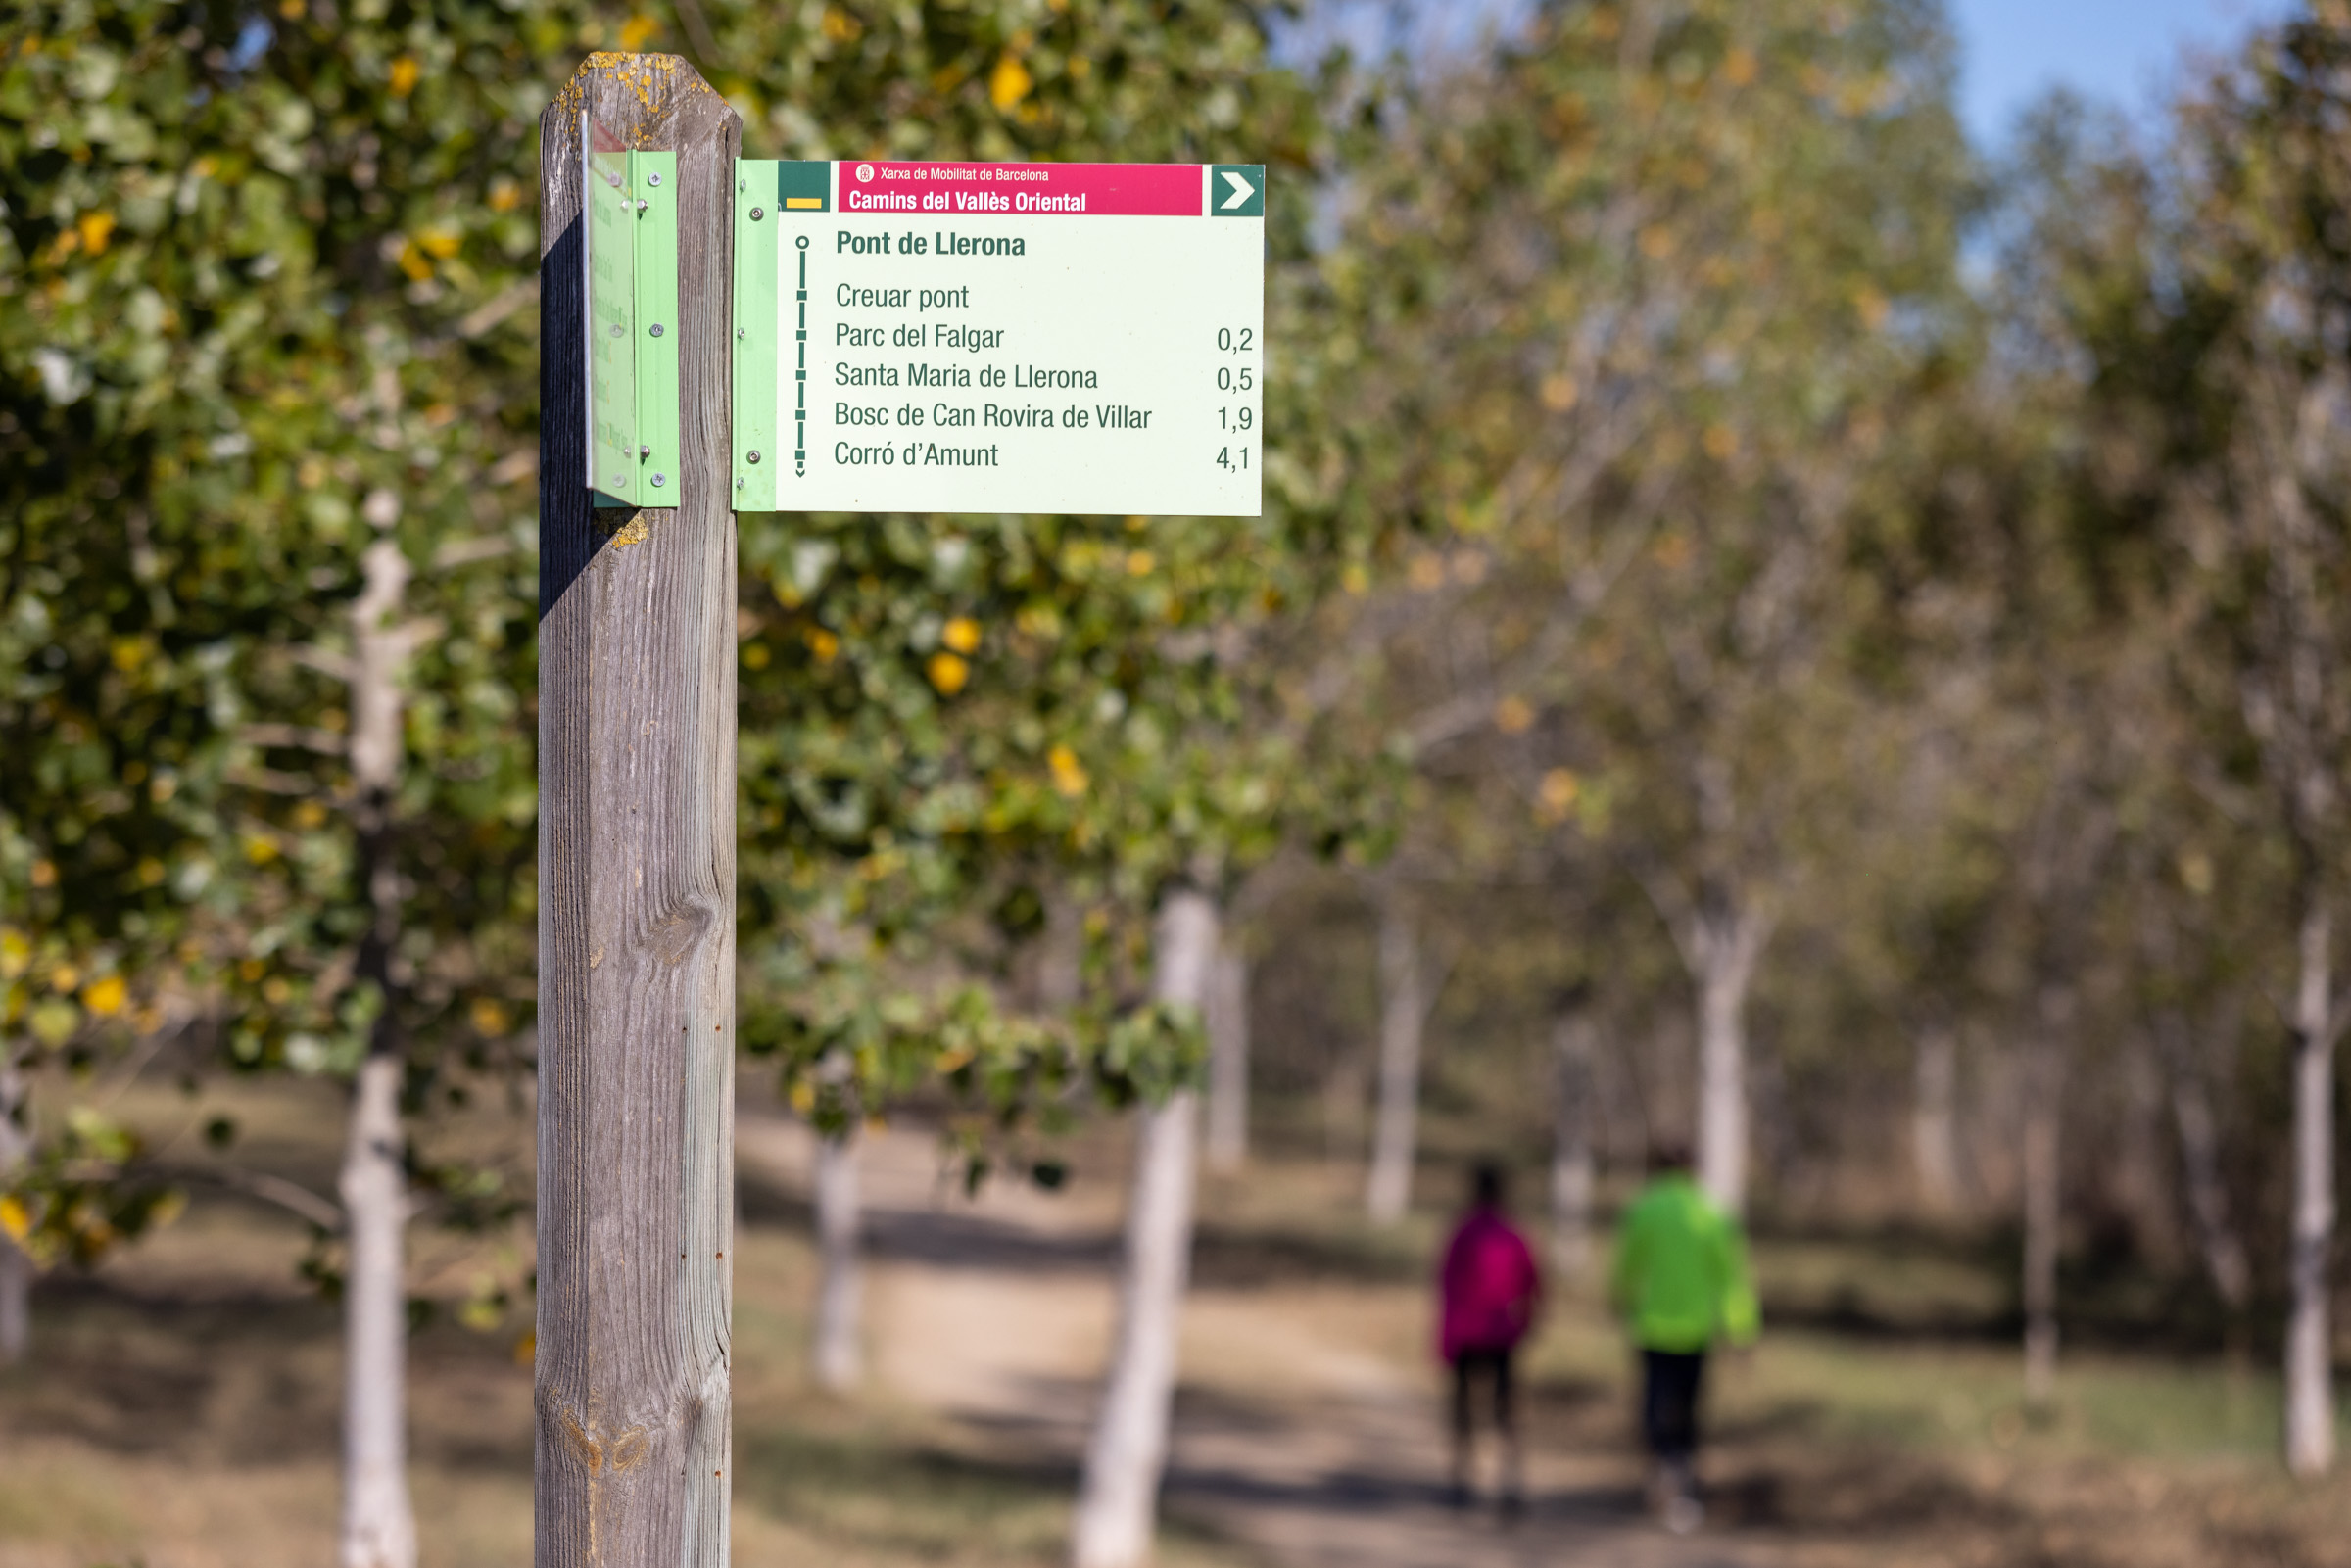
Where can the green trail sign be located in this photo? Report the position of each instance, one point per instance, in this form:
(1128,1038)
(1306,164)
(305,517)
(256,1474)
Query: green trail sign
(999,337)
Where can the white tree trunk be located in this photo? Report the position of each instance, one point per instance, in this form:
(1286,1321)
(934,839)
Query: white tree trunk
(1726,948)
(2043,1199)
(1228,1060)
(1935,1116)
(2309,1380)
(1573,1164)
(839,1362)
(379,1529)
(1118,1498)
(1403,1015)
(16,1270)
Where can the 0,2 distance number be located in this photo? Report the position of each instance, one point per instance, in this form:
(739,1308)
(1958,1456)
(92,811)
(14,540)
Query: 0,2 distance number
(1237,340)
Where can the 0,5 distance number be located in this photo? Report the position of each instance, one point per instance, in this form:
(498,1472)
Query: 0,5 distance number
(1230,380)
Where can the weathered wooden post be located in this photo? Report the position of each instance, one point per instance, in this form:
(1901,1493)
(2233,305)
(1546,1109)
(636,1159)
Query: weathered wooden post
(635,835)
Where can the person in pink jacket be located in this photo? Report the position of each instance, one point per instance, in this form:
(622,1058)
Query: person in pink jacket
(1487,1293)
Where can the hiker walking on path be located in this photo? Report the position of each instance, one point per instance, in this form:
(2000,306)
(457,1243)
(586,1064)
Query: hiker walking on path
(1487,1293)
(1681,1281)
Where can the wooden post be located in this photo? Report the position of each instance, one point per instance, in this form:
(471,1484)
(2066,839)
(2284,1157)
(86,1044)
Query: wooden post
(636,886)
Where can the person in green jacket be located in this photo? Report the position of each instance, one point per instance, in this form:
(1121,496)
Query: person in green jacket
(1681,1282)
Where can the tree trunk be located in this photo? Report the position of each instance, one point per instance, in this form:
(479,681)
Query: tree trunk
(16,1270)
(1727,947)
(1403,1015)
(1934,1116)
(2043,1090)
(1228,1060)
(379,1529)
(2309,1379)
(839,1363)
(1573,1081)
(1118,1497)
(2198,1129)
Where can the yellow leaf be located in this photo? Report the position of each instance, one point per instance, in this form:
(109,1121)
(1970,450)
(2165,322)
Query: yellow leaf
(635,30)
(106,997)
(1513,716)
(405,71)
(948,671)
(1009,83)
(1427,571)
(309,816)
(1721,443)
(1068,776)
(63,978)
(44,874)
(413,263)
(291,10)
(526,1348)
(16,953)
(1140,563)
(1739,66)
(1559,392)
(96,229)
(151,871)
(962,634)
(804,1097)
(15,1218)
(261,851)
(1559,792)
(504,195)
(489,1016)
(823,643)
(440,242)
(840,25)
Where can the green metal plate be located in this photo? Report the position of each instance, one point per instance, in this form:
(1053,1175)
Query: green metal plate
(658,471)
(611,234)
(757,450)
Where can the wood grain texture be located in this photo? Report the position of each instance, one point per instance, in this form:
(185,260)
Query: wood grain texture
(637,890)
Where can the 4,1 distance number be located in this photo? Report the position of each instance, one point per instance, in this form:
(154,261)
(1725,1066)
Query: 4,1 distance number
(1225,459)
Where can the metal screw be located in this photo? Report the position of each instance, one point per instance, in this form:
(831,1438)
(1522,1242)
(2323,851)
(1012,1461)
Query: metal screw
(658,479)
(617,329)
(759,212)
(743,184)
(657,329)
(619,480)
(738,334)
(738,484)
(754,456)
(644,451)
(652,180)
(641,204)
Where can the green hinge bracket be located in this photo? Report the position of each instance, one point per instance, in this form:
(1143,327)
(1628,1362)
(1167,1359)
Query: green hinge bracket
(630,200)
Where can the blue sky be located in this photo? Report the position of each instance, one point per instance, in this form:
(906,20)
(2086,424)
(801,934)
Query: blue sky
(2121,51)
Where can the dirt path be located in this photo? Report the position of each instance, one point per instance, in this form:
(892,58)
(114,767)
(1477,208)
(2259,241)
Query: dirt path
(1293,1433)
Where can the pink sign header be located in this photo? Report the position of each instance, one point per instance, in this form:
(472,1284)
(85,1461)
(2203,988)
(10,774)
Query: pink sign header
(1021,190)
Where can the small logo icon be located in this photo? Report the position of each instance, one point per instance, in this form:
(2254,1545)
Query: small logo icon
(865,174)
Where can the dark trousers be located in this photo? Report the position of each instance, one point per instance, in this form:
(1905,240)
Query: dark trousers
(1473,1365)
(1670,1402)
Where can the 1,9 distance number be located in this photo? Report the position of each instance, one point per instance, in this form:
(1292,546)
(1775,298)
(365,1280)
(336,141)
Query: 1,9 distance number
(1236,418)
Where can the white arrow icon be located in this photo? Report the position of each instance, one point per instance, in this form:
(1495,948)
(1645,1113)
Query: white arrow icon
(1242,190)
